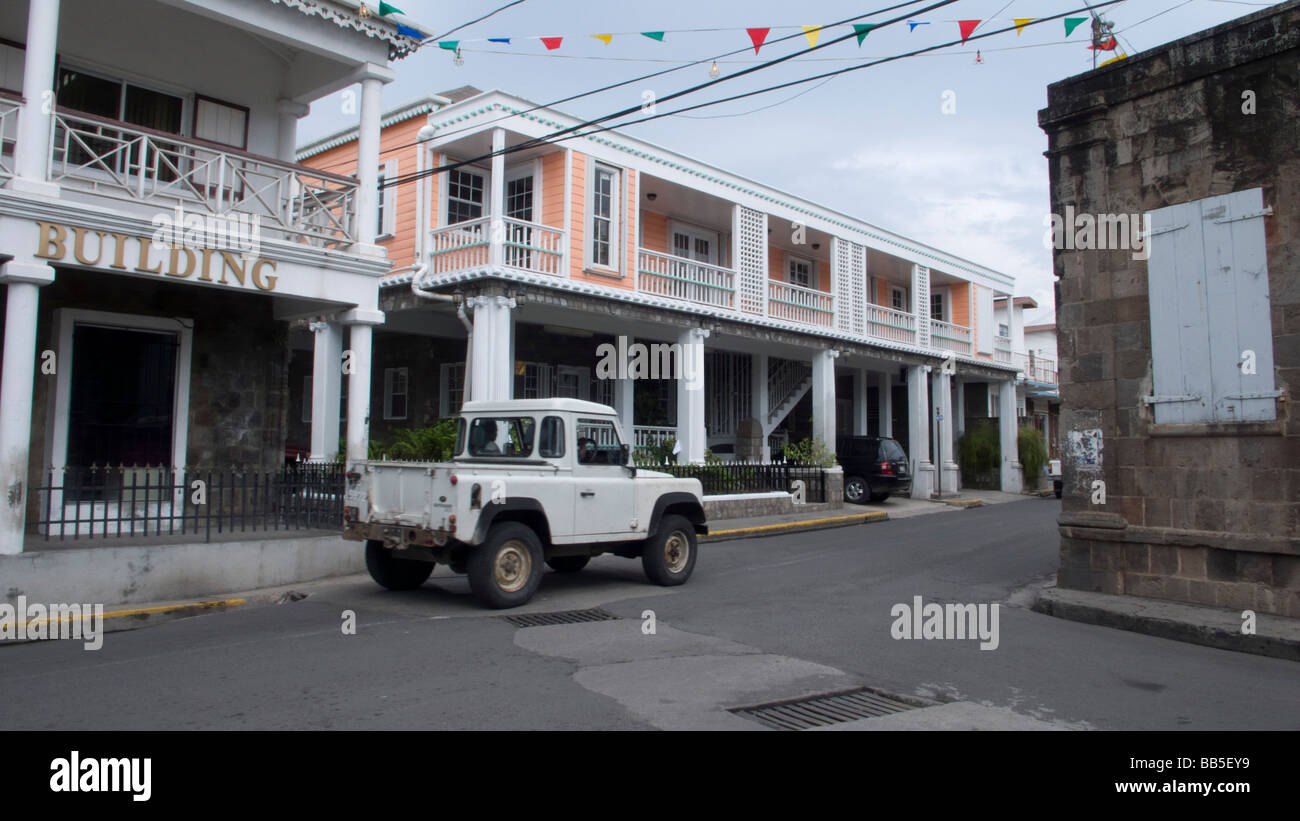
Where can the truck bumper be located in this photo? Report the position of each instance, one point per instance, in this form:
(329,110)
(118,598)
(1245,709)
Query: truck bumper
(396,535)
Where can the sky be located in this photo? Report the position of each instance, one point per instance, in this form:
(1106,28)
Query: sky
(875,143)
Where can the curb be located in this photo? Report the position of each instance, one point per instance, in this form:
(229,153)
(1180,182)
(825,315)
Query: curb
(132,618)
(795,527)
(1275,636)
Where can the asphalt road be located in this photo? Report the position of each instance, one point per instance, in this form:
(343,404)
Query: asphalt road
(762,620)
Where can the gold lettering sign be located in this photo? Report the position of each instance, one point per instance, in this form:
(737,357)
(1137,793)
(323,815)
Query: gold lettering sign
(98,248)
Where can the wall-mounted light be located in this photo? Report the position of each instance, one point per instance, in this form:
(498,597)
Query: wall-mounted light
(652,196)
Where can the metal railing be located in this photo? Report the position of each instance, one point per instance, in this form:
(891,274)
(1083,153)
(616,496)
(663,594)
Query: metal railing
(753,477)
(1002,349)
(799,304)
(1036,368)
(785,378)
(946,336)
(534,247)
(685,279)
(125,502)
(10,111)
(128,162)
(645,436)
(891,324)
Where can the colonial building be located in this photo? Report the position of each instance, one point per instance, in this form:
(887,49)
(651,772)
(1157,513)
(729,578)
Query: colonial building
(1180,344)
(159,239)
(793,320)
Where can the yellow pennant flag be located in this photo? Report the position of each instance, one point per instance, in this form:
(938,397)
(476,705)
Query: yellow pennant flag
(812,33)
(1021,22)
(604,38)
(1114,60)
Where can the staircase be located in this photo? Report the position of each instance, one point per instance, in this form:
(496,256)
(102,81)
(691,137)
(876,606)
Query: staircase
(787,382)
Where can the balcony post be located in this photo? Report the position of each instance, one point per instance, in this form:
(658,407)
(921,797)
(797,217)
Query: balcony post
(918,431)
(23,281)
(491,371)
(1012,481)
(941,391)
(326,390)
(625,402)
(497,200)
(35,122)
(758,392)
(360,337)
(286,143)
(861,399)
(691,435)
(823,397)
(372,78)
(885,404)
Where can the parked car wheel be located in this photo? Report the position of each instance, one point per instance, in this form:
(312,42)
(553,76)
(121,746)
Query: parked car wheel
(567,564)
(669,555)
(392,572)
(506,569)
(855,490)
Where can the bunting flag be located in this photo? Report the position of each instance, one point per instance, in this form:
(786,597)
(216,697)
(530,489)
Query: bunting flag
(385,10)
(505,40)
(1072,23)
(1114,59)
(450,45)
(1108,45)
(407,31)
(604,38)
(654,35)
(757,36)
(862,30)
(812,33)
(967,28)
(551,43)
(912,24)
(1021,22)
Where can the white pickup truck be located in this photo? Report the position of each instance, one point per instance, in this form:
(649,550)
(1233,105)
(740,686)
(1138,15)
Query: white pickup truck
(531,481)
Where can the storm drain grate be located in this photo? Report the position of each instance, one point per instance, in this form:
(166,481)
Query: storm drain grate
(560,617)
(822,711)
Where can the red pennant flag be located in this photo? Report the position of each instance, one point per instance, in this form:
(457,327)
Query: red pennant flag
(757,36)
(967,28)
(1108,45)
(551,43)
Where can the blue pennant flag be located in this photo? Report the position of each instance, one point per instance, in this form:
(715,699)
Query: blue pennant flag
(407,31)
(505,40)
(912,24)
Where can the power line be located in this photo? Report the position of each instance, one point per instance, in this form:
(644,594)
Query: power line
(472,22)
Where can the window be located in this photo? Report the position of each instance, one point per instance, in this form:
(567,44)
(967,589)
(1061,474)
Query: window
(995,403)
(937,307)
(550,444)
(897,298)
(119,100)
(1003,330)
(387,201)
(464,196)
(603,219)
(535,382)
(694,243)
(501,437)
(1211,333)
(452,388)
(597,443)
(395,390)
(800,271)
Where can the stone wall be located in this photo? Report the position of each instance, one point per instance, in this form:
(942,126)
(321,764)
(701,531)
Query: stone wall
(1207,513)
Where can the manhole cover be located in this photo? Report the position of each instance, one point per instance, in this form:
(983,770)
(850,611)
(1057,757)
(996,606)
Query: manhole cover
(822,711)
(560,617)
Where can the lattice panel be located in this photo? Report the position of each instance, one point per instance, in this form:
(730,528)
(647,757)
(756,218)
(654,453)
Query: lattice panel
(841,259)
(921,304)
(751,262)
(858,276)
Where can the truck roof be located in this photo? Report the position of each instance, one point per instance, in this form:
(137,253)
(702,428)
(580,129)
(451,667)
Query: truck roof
(553,404)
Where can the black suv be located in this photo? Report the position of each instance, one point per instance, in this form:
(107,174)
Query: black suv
(874,467)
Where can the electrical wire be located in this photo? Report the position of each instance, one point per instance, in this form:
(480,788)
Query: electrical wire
(471,22)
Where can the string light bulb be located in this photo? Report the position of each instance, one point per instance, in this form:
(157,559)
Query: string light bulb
(714,71)
(457,60)
(979,58)
(364,11)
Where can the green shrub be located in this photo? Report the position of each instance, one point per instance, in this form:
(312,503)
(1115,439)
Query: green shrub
(1033,454)
(810,451)
(978,452)
(652,455)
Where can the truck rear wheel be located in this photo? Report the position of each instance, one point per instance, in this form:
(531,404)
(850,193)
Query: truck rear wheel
(568,564)
(669,555)
(506,569)
(392,572)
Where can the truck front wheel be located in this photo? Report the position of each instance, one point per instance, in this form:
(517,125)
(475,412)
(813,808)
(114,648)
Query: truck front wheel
(506,569)
(669,555)
(392,572)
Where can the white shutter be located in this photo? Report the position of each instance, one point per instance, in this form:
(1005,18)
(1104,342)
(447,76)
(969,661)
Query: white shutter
(220,123)
(388,227)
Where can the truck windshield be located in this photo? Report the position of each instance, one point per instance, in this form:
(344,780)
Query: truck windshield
(501,436)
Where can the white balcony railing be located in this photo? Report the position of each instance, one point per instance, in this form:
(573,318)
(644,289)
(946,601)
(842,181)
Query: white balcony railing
(534,247)
(1002,349)
(945,336)
(649,435)
(525,245)
(1036,368)
(685,279)
(9,112)
(798,304)
(458,247)
(127,162)
(887,323)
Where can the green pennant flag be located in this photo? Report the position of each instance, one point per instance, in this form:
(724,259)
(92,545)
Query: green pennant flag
(450,45)
(654,35)
(1072,23)
(385,9)
(862,30)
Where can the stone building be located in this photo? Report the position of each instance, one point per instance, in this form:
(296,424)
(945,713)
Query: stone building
(1179,343)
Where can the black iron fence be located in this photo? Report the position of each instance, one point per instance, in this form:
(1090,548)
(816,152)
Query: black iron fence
(125,502)
(752,477)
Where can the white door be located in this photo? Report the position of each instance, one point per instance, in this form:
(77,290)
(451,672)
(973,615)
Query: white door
(604,504)
(519,207)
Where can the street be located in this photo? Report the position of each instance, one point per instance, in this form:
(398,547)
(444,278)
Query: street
(761,620)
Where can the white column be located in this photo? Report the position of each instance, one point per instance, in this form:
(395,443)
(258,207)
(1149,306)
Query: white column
(625,404)
(326,390)
(941,390)
(32,152)
(885,403)
(497,199)
(758,364)
(492,375)
(918,432)
(823,397)
(691,435)
(286,140)
(959,412)
(23,281)
(359,322)
(861,399)
(372,78)
(1012,481)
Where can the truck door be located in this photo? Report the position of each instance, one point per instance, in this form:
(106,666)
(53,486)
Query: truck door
(604,494)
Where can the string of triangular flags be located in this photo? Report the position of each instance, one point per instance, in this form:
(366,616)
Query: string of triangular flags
(758,35)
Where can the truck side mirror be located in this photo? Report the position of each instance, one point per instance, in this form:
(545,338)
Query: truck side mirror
(625,452)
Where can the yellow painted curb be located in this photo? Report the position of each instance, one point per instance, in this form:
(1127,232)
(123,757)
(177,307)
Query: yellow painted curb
(856,517)
(965,502)
(147,611)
